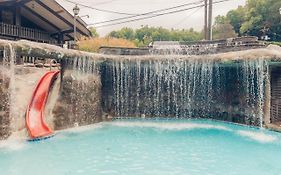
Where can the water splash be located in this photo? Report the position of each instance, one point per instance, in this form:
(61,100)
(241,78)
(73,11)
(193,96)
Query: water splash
(258,136)
(169,126)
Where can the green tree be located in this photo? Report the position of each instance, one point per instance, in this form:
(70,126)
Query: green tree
(222,28)
(94,32)
(223,31)
(221,20)
(257,18)
(254,21)
(114,34)
(144,35)
(236,18)
(125,33)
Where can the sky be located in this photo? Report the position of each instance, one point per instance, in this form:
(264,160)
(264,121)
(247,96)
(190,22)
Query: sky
(184,20)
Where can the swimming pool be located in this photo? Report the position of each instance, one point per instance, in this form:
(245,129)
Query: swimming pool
(148,147)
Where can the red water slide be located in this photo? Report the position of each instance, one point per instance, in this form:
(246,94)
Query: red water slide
(35,123)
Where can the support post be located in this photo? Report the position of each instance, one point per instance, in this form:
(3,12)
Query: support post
(210,37)
(74,24)
(206,21)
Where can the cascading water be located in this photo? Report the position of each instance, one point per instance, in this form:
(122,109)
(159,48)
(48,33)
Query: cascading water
(5,95)
(185,88)
(12,86)
(79,101)
(8,109)
(255,73)
(153,88)
(83,70)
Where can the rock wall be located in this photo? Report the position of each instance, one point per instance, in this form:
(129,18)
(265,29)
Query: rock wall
(74,99)
(15,96)
(5,130)
(79,101)
(25,81)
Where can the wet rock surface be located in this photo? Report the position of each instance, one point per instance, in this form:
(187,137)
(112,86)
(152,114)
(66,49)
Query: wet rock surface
(26,79)
(16,96)
(79,102)
(5,130)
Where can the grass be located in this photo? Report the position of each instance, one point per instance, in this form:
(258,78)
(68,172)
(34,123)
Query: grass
(93,44)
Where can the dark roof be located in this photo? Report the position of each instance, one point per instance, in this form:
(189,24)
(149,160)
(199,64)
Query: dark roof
(51,16)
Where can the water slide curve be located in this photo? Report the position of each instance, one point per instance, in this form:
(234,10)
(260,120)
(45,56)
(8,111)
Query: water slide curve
(35,123)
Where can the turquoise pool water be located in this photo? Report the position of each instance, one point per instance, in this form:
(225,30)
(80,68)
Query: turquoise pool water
(148,147)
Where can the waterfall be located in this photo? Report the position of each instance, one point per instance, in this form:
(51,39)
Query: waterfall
(11,58)
(186,88)
(80,96)
(255,73)
(5,91)
(8,108)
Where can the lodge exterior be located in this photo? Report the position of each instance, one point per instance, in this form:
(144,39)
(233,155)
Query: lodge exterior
(44,21)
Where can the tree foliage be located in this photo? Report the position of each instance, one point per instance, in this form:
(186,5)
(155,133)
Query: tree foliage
(146,34)
(125,33)
(257,18)
(222,28)
(236,18)
(94,32)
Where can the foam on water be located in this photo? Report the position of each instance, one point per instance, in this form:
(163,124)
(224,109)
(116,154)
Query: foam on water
(13,144)
(16,141)
(81,129)
(259,136)
(169,126)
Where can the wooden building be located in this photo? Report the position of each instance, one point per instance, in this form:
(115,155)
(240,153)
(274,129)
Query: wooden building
(43,21)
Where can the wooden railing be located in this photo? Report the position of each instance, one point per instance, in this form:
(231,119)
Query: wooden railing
(24,33)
